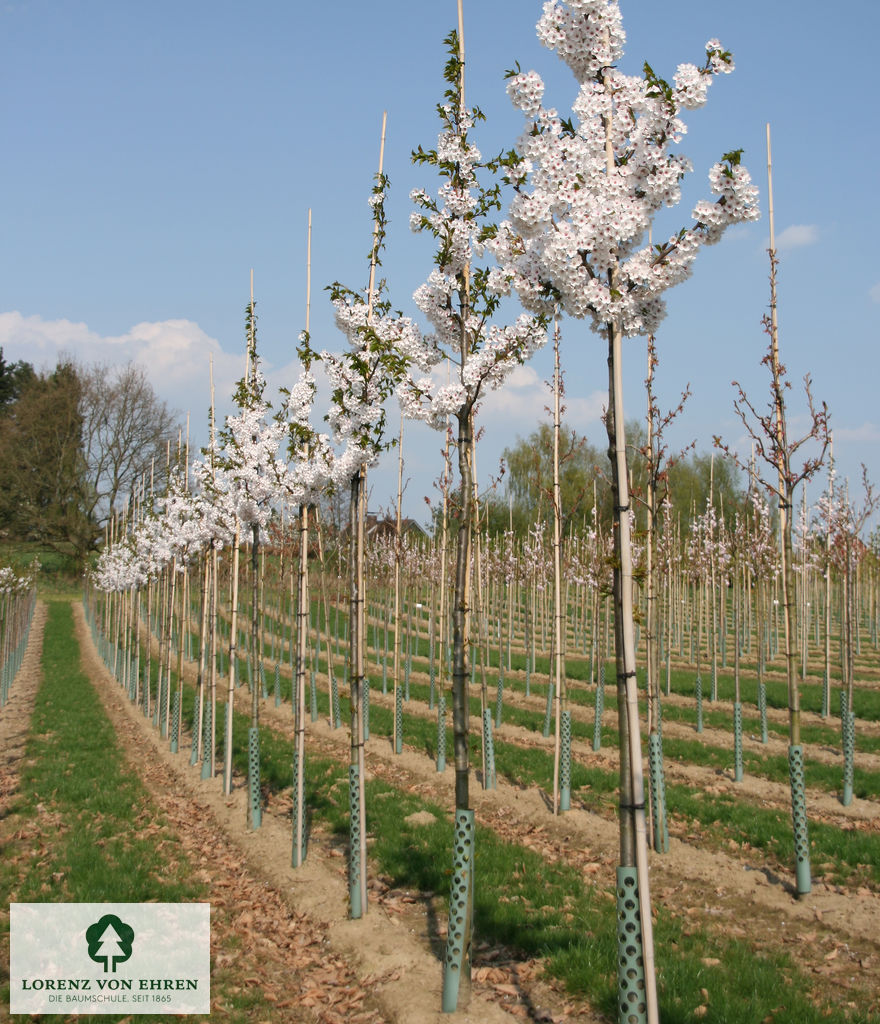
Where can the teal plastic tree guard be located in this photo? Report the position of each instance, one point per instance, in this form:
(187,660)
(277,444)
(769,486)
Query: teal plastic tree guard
(600,708)
(799,819)
(457,962)
(737,741)
(194,746)
(548,713)
(631,1000)
(298,852)
(565,763)
(489,781)
(441,733)
(175,721)
(355,839)
(207,739)
(254,803)
(499,699)
(398,721)
(657,778)
(334,701)
(365,705)
(698,693)
(849,754)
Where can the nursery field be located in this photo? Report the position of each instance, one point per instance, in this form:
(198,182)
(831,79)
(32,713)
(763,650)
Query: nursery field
(97,807)
(597,743)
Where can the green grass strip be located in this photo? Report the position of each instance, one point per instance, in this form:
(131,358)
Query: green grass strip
(74,767)
(547,910)
(103,845)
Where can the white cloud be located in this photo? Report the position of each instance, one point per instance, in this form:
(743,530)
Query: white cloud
(875,292)
(174,353)
(523,401)
(797,236)
(866,432)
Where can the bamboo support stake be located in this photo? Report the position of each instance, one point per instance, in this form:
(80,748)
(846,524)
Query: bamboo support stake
(233,656)
(398,554)
(827,678)
(302,630)
(214,591)
(357,515)
(634,794)
(559,611)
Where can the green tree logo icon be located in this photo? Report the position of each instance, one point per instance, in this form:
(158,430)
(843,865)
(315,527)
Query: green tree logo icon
(110,941)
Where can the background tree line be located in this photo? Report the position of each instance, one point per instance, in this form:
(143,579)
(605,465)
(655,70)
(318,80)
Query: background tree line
(523,495)
(74,442)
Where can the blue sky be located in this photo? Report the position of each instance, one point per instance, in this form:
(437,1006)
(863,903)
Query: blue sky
(155,153)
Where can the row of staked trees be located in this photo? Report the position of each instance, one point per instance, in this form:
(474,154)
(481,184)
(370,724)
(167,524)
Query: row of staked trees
(582,192)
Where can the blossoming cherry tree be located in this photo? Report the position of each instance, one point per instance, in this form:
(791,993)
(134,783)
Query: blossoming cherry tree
(587,190)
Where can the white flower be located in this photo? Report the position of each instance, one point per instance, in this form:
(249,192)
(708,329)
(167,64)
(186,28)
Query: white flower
(572,222)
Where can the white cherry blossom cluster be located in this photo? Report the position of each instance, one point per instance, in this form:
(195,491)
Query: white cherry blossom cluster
(587,34)
(484,353)
(700,541)
(122,567)
(311,457)
(762,549)
(502,349)
(668,550)
(355,411)
(249,470)
(241,479)
(596,558)
(842,520)
(573,222)
(364,375)
(300,399)
(12,582)
(537,563)
(809,555)
(174,529)
(191,520)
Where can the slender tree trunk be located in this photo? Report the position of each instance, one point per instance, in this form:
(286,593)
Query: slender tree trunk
(172,591)
(215,558)
(559,611)
(461,613)
(256,655)
(633,829)
(203,655)
(358,863)
(233,657)
(398,555)
(302,640)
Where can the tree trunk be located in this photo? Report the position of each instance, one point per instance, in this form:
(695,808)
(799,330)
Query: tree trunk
(233,655)
(460,613)
(633,830)
(559,611)
(358,851)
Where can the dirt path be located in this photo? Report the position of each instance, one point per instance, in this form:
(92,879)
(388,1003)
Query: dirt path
(15,716)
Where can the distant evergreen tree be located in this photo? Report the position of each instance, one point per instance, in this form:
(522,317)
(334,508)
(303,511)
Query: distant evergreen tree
(13,378)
